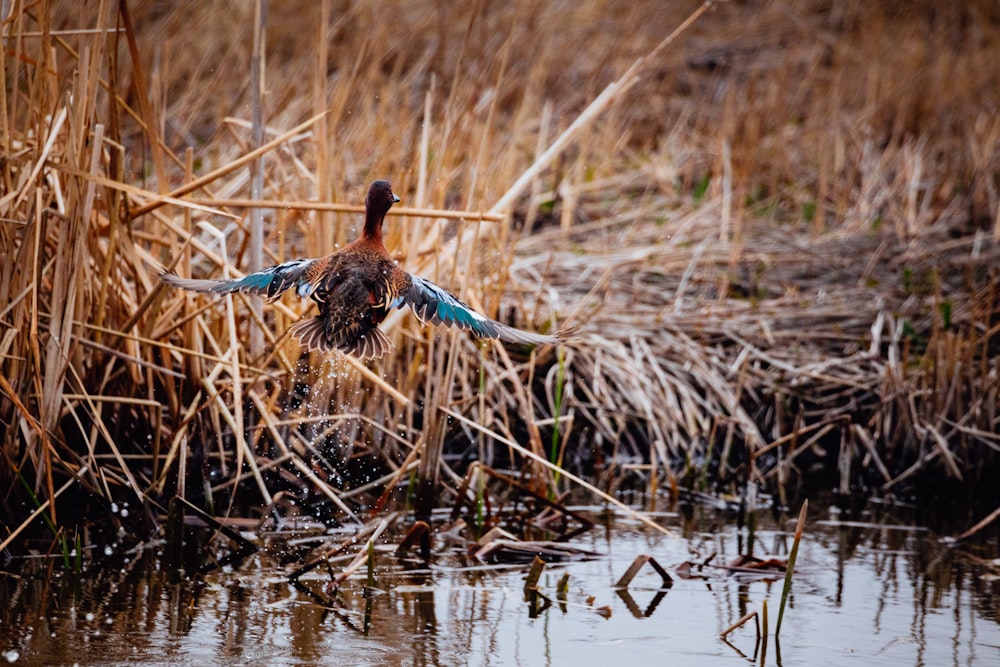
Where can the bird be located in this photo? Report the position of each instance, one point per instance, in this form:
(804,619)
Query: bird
(356,287)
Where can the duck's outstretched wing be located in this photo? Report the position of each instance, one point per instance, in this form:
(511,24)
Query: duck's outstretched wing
(269,282)
(434,305)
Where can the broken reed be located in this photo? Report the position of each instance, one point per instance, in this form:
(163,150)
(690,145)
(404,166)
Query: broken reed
(807,267)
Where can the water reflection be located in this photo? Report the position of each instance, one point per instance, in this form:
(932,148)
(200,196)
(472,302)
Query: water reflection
(890,594)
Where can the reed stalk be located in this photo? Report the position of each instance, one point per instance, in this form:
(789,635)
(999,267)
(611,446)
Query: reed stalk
(790,567)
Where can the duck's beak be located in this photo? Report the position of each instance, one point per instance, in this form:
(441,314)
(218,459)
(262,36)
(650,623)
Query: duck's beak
(395,199)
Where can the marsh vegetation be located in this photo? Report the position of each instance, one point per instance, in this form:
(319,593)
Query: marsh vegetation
(776,237)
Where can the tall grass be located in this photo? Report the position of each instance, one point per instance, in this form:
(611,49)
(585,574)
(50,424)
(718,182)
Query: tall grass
(782,239)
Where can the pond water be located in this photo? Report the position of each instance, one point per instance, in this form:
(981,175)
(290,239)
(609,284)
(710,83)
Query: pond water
(878,590)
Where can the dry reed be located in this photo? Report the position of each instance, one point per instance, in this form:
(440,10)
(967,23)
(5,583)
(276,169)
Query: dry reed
(779,245)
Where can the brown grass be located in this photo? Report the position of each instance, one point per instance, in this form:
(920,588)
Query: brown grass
(779,246)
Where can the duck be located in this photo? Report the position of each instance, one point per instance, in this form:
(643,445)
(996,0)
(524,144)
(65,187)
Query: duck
(356,287)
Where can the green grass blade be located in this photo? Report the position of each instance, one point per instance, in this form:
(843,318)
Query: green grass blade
(786,589)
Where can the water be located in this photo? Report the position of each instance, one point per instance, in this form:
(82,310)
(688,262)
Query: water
(884,593)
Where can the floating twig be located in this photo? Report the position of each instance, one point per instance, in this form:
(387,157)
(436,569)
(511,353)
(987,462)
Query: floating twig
(990,518)
(360,559)
(246,546)
(741,622)
(637,564)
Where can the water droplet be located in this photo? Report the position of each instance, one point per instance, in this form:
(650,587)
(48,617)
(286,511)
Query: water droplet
(108,550)
(11,655)
(124,513)
(89,616)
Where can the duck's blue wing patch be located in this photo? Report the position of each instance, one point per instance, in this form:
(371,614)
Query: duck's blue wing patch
(435,305)
(269,282)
